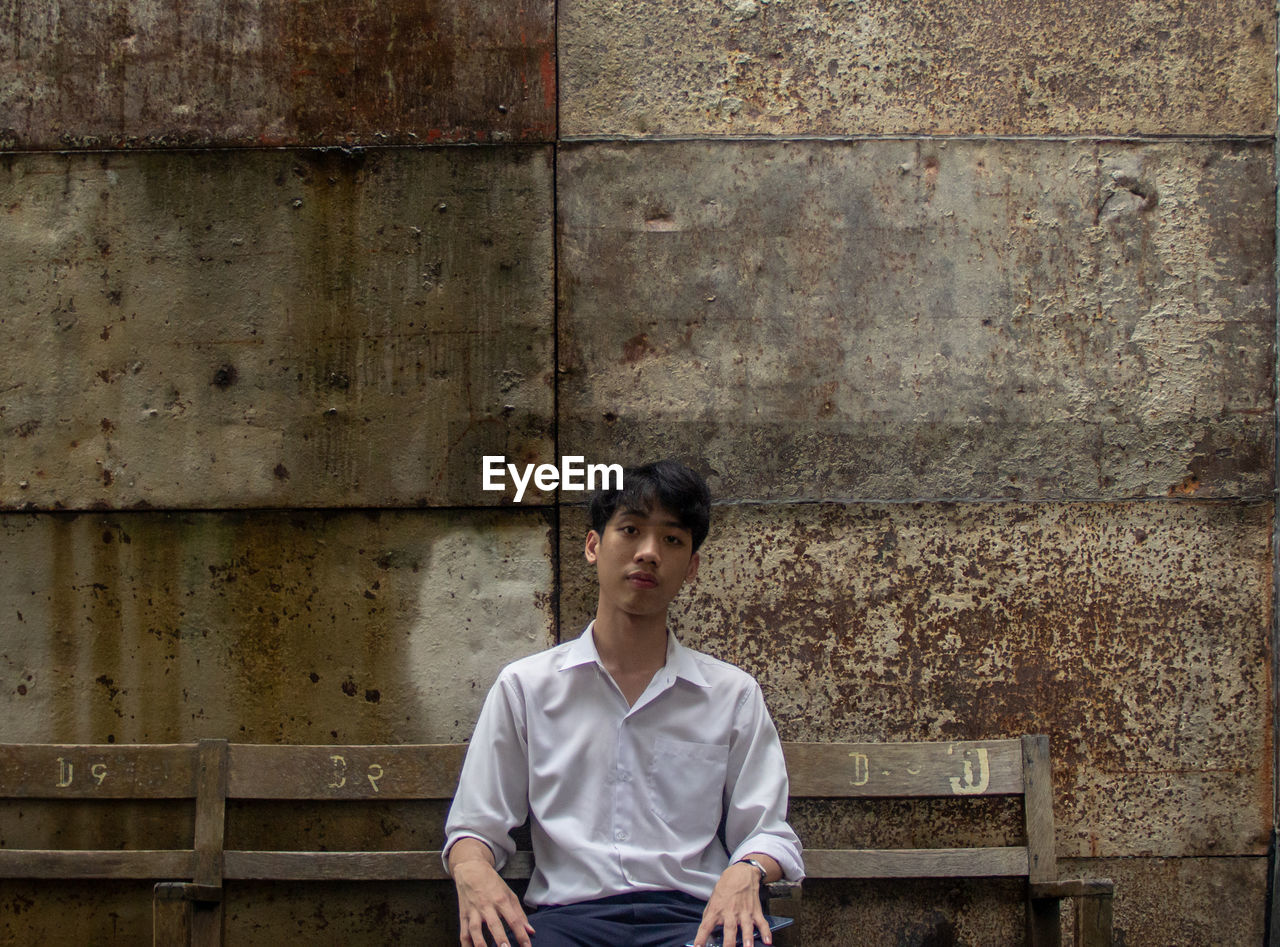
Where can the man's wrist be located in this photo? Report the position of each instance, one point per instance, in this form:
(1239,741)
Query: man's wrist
(768,867)
(469,849)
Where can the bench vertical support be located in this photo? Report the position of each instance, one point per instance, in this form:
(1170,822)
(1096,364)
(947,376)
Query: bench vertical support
(189,913)
(171,915)
(211,806)
(782,898)
(1094,921)
(1044,925)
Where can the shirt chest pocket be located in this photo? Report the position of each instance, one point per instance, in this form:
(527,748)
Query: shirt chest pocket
(687,784)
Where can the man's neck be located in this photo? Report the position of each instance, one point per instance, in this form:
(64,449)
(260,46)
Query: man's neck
(631,648)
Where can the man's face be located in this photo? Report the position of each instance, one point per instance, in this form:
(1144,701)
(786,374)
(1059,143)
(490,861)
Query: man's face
(642,557)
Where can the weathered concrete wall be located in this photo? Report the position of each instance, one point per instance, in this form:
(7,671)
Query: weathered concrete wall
(297,627)
(987,391)
(1186,900)
(270,627)
(1025,67)
(313,72)
(1132,634)
(893,320)
(279,328)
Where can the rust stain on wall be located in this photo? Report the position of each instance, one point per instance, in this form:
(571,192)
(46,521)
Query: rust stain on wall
(321,72)
(1184,900)
(437,72)
(283,328)
(1136,635)
(708,67)
(264,627)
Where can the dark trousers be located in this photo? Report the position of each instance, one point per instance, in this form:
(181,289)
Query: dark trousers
(643,919)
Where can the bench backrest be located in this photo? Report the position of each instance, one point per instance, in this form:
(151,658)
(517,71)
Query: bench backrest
(350,773)
(212,772)
(162,771)
(965,770)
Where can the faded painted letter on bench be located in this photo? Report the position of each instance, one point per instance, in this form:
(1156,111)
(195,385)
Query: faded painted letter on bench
(967,785)
(339,772)
(861,769)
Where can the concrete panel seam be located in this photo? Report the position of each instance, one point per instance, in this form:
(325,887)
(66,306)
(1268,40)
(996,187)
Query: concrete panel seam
(997,500)
(1272,931)
(348,150)
(1069,139)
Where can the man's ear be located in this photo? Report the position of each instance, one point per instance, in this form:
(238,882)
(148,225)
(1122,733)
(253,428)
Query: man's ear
(592,547)
(693,568)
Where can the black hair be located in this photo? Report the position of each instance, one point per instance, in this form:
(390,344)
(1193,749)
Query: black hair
(666,483)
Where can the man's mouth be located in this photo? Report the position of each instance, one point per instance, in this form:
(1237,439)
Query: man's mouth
(643,580)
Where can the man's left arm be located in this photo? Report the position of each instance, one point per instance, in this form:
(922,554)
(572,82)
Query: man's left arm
(756,828)
(735,903)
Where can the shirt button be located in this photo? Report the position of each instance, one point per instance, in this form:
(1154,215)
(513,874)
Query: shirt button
(620,836)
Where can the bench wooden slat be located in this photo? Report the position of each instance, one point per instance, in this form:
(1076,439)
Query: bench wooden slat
(328,866)
(187,891)
(916,863)
(351,866)
(888,770)
(151,865)
(423,771)
(90,771)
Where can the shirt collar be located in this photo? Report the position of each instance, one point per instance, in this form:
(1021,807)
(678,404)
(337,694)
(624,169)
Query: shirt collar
(680,660)
(582,650)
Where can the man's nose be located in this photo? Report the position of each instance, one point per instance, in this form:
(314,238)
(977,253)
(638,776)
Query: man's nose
(649,549)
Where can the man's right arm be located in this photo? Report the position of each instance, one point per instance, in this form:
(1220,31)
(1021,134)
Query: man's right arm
(484,899)
(492,798)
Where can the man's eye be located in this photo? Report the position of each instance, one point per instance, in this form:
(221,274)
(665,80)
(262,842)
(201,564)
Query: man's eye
(675,540)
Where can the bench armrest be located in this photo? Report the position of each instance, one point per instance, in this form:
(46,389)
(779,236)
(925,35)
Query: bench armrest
(783,891)
(1093,906)
(782,898)
(187,891)
(184,914)
(1074,888)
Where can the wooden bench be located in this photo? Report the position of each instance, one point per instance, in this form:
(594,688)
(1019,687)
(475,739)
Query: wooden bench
(965,770)
(192,772)
(190,881)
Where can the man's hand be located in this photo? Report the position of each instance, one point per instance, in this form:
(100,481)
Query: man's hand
(484,900)
(735,905)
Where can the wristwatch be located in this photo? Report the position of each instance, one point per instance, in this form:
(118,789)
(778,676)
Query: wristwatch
(764,872)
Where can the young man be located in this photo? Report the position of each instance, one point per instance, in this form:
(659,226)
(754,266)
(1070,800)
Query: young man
(628,753)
